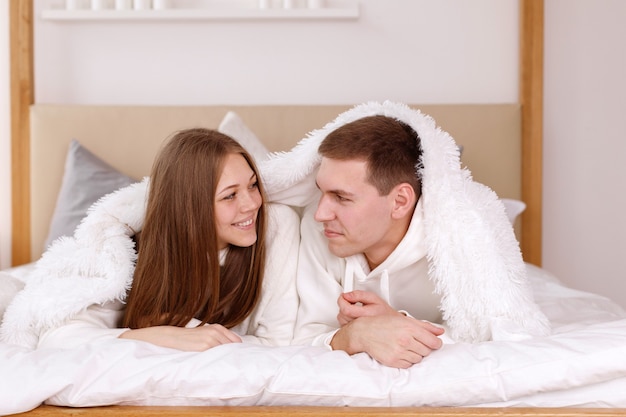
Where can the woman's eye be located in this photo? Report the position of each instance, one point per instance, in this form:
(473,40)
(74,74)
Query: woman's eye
(254,185)
(230,196)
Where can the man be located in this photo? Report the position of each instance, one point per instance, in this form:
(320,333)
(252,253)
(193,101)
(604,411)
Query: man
(367,272)
(395,236)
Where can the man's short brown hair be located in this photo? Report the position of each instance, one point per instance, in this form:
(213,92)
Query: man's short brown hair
(390,147)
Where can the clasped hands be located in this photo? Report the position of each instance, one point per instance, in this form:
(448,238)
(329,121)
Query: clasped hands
(371,325)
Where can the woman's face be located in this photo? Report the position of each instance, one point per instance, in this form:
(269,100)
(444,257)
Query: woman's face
(237,202)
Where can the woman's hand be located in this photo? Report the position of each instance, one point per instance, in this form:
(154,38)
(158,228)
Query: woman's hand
(193,339)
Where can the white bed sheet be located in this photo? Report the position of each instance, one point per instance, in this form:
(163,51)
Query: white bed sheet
(582,364)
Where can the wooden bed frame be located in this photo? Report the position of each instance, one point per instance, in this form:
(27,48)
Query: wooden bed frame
(129,411)
(529,121)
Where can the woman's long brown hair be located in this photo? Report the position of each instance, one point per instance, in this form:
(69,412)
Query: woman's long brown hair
(178,275)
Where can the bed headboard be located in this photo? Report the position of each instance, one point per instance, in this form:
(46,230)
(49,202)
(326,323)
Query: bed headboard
(128,137)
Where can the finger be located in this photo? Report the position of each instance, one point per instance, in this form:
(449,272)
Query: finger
(342,302)
(349,309)
(412,357)
(214,336)
(432,328)
(427,340)
(403,360)
(400,363)
(222,335)
(352,311)
(364,297)
(231,336)
(343,320)
(234,337)
(420,349)
(426,325)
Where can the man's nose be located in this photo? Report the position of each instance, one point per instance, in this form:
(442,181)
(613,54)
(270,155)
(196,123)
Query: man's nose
(323,212)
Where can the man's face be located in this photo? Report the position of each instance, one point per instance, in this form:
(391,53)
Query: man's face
(356,218)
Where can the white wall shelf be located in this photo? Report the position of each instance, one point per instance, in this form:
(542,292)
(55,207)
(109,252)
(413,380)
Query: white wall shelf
(351,12)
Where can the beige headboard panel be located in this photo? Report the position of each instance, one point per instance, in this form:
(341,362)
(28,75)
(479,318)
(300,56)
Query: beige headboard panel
(128,137)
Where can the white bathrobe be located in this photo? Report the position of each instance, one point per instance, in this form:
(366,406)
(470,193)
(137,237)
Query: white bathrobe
(402,280)
(474,261)
(75,293)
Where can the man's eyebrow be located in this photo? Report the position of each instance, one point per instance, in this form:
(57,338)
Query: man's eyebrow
(342,192)
(337,191)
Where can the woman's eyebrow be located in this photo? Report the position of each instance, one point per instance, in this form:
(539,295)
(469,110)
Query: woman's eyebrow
(235,185)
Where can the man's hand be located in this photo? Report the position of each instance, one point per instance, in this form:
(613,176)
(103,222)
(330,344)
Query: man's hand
(357,303)
(195,339)
(394,340)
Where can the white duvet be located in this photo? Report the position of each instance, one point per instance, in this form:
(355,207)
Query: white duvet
(582,364)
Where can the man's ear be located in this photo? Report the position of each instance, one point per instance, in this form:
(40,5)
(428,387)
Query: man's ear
(404,200)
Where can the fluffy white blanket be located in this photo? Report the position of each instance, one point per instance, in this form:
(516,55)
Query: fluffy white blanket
(94,266)
(475,258)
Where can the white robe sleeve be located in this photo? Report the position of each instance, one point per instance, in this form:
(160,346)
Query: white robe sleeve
(272,322)
(95,322)
(319,285)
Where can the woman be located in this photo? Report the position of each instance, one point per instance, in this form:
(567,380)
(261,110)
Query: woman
(204,235)
(214,265)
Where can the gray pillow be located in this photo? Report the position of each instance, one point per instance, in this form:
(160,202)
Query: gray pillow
(85,180)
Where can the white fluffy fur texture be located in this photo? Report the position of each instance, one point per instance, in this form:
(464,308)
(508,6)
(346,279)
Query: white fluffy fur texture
(9,287)
(101,249)
(475,258)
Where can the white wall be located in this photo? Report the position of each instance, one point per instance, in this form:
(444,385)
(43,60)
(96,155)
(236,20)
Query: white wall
(406,50)
(5,140)
(584,229)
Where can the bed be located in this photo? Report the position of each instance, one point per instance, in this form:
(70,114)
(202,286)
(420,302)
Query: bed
(580,370)
(573,367)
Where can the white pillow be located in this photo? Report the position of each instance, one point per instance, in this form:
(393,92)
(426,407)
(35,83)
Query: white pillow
(513,208)
(86,178)
(233,126)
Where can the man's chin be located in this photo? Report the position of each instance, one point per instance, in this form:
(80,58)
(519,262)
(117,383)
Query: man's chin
(339,250)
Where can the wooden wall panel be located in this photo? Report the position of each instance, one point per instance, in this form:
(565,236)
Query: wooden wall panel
(22,96)
(531,98)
